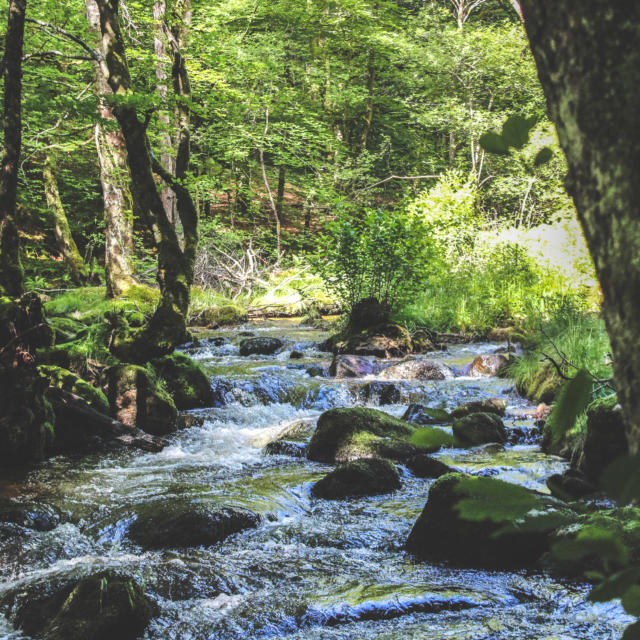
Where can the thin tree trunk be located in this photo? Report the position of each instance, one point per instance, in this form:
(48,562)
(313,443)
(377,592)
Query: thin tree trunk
(368,115)
(66,244)
(167,327)
(282,173)
(587,62)
(166,155)
(114,176)
(266,181)
(11,274)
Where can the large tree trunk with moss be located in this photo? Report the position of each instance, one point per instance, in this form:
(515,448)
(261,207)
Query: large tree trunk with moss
(167,327)
(64,240)
(114,176)
(11,275)
(589,65)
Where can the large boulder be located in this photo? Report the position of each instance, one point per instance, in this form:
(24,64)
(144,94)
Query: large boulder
(347,366)
(260,346)
(105,605)
(365,477)
(382,341)
(223,316)
(182,523)
(440,533)
(349,433)
(570,485)
(488,405)
(605,439)
(186,382)
(480,428)
(137,398)
(418,370)
(64,379)
(488,365)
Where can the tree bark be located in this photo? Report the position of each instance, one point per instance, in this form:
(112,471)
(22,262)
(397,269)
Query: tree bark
(66,244)
(114,175)
(167,327)
(589,67)
(282,172)
(11,274)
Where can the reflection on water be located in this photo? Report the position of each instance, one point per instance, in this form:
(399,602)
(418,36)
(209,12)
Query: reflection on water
(314,569)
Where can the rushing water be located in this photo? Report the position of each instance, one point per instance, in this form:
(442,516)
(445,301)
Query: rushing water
(313,569)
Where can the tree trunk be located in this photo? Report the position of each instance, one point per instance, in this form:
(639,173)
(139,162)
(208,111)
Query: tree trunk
(64,240)
(167,327)
(589,66)
(280,194)
(11,275)
(368,115)
(114,175)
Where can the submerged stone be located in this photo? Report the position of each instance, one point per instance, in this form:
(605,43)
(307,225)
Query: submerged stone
(183,523)
(347,366)
(260,346)
(419,414)
(419,370)
(365,477)
(488,365)
(32,515)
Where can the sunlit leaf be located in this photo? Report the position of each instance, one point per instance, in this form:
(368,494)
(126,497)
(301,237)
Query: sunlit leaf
(631,600)
(621,479)
(593,540)
(572,400)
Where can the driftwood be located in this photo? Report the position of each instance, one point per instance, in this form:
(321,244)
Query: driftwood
(78,425)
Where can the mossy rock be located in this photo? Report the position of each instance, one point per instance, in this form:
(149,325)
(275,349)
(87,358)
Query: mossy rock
(480,428)
(440,533)
(419,414)
(64,379)
(66,329)
(186,382)
(171,523)
(605,438)
(382,341)
(225,315)
(348,433)
(488,405)
(425,466)
(137,398)
(365,477)
(260,346)
(543,386)
(108,604)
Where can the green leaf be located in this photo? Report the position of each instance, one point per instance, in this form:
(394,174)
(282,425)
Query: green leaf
(632,632)
(543,156)
(631,600)
(572,400)
(621,479)
(615,586)
(596,541)
(493,142)
(515,131)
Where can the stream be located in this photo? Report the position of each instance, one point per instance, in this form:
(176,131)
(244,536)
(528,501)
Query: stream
(314,569)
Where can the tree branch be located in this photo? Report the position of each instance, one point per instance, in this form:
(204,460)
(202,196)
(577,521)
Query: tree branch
(394,177)
(95,55)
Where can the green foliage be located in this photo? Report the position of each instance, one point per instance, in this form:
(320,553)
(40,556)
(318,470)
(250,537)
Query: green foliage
(379,254)
(572,400)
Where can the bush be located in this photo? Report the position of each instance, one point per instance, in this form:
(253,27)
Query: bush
(378,254)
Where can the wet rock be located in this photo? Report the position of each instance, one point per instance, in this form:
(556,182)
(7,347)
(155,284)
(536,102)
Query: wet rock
(188,420)
(352,367)
(32,515)
(296,355)
(350,433)
(365,477)
(316,371)
(185,381)
(489,405)
(137,399)
(485,366)
(286,448)
(419,414)
(480,428)
(425,466)
(105,605)
(419,370)
(570,485)
(525,434)
(605,439)
(383,392)
(182,523)
(260,346)
(383,341)
(440,533)
(423,341)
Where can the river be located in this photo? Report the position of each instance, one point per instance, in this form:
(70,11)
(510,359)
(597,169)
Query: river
(313,569)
